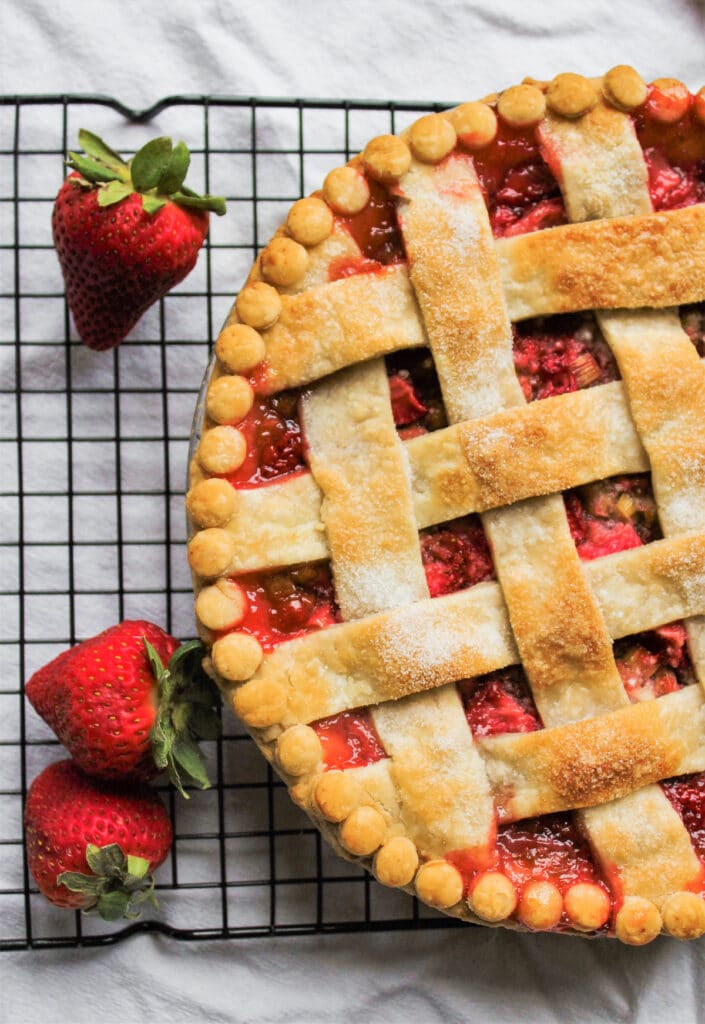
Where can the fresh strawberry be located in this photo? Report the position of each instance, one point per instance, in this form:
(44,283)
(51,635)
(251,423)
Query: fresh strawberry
(126,233)
(94,844)
(121,713)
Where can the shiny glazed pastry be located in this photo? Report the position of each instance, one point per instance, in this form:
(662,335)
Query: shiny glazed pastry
(448,508)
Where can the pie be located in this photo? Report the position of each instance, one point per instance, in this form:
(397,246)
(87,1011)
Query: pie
(448,508)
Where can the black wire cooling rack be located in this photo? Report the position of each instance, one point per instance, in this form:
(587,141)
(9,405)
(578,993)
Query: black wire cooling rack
(93,466)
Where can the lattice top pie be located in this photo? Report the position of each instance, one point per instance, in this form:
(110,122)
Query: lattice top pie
(449,507)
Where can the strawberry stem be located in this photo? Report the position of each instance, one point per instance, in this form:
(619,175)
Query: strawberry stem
(118,883)
(156,173)
(187,713)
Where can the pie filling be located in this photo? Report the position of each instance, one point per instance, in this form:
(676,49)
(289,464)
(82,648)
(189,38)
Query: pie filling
(520,191)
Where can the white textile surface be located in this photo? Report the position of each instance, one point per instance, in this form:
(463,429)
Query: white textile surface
(437,50)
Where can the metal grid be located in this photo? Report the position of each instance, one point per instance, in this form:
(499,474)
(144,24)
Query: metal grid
(93,462)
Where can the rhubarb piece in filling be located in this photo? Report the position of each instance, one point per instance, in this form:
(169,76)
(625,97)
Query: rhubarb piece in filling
(612,515)
(655,663)
(415,393)
(558,354)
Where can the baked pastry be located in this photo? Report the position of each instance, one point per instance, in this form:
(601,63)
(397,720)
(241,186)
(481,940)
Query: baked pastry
(448,507)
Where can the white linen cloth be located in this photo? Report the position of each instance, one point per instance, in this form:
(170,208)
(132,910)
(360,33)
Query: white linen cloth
(439,50)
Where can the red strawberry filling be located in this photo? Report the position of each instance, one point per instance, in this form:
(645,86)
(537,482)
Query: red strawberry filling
(555,355)
(455,556)
(655,663)
(687,794)
(499,702)
(275,446)
(376,231)
(289,604)
(520,191)
(612,515)
(349,740)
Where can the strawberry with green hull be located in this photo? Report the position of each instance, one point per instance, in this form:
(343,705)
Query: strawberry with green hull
(126,233)
(93,845)
(130,703)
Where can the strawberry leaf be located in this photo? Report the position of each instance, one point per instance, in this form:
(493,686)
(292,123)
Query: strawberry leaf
(137,867)
(151,204)
(91,885)
(149,163)
(114,905)
(173,177)
(90,169)
(113,192)
(101,151)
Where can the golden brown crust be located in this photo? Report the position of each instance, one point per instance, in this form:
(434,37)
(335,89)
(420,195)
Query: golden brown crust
(596,760)
(335,325)
(357,460)
(606,264)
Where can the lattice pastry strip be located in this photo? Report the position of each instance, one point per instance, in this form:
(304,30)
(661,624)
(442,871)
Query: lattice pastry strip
(399,652)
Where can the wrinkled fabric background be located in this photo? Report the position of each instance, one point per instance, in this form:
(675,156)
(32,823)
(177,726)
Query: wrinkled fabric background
(438,50)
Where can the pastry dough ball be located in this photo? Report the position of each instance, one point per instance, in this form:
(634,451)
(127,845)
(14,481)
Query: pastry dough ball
(571,95)
(587,906)
(299,750)
(336,795)
(386,158)
(638,921)
(310,221)
(475,124)
(684,915)
(284,261)
(432,138)
(222,450)
(346,190)
(363,831)
(211,502)
(229,399)
(493,896)
(521,106)
(236,657)
(624,87)
(396,862)
(239,348)
(259,305)
(221,605)
(439,884)
(540,906)
(210,552)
